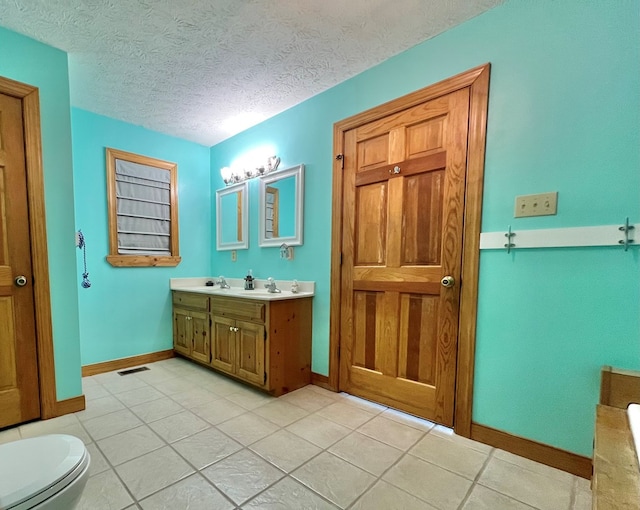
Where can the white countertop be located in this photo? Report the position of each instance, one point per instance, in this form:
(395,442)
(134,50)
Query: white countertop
(236,290)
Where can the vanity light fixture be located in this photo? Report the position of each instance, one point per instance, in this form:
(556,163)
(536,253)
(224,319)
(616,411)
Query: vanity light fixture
(235,175)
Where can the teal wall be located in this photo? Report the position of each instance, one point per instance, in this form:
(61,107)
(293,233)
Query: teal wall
(127,310)
(564,115)
(42,66)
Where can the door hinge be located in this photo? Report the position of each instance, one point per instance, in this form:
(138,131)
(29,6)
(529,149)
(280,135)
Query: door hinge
(210,323)
(340,157)
(265,335)
(265,379)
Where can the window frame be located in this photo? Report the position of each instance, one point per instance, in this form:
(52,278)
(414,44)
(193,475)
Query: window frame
(131,260)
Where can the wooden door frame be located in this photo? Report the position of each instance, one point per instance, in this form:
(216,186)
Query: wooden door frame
(49,406)
(477,80)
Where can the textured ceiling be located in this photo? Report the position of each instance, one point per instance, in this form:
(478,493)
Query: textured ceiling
(189,67)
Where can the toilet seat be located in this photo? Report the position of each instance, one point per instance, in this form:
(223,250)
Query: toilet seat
(35,469)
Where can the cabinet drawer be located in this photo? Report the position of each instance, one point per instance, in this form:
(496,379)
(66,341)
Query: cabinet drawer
(241,308)
(195,301)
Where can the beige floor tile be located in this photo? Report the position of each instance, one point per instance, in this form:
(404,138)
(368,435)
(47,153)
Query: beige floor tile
(195,397)
(436,486)
(242,475)
(220,385)
(308,399)
(206,447)
(345,414)
(92,392)
(139,396)
(450,455)
(582,484)
(111,424)
(157,409)
(89,382)
(193,493)
(249,399)
(285,450)
(154,471)
(104,492)
(531,465)
(130,444)
(319,430)
(526,486)
(288,494)
(67,424)
(123,383)
(391,432)
(448,433)
(334,478)
(99,407)
(178,426)
(248,428)
(10,435)
(482,498)
(384,496)
(583,500)
(361,403)
(156,374)
(98,462)
(366,453)
(222,410)
(407,419)
(281,413)
(175,385)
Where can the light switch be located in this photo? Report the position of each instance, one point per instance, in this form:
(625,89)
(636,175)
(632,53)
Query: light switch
(542,204)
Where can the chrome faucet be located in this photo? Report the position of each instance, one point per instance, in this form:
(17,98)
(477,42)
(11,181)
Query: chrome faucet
(271,286)
(222,282)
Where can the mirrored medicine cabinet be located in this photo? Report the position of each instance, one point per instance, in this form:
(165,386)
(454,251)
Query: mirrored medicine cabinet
(232,217)
(281,207)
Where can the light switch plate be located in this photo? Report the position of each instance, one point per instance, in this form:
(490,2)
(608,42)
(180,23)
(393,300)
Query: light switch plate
(541,204)
(234,255)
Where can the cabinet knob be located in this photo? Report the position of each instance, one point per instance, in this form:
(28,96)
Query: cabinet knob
(230,328)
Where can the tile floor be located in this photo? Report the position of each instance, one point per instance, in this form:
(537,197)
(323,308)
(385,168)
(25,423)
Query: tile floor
(179,436)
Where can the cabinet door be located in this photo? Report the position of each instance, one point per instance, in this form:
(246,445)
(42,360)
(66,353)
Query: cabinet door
(251,348)
(200,348)
(223,352)
(182,331)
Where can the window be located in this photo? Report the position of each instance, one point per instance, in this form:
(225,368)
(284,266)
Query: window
(143,210)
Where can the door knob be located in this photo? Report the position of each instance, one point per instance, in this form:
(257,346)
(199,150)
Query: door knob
(448,281)
(21,280)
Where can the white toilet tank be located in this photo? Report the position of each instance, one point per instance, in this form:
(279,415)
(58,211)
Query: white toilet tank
(44,473)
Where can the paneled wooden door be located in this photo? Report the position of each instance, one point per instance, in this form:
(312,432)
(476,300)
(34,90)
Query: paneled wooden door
(19,386)
(402,226)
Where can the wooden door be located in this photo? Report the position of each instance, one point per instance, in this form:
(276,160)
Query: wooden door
(19,393)
(223,350)
(181,332)
(402,224)
(251,342)
(200,349)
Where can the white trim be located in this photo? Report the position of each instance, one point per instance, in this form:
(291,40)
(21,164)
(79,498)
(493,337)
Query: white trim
(602,235)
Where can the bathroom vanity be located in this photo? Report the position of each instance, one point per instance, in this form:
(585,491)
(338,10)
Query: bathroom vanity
(260,338)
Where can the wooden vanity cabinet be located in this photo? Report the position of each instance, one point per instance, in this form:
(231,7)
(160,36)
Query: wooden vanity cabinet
(264,343)
(191,330)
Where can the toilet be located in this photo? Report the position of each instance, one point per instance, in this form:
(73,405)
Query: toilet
(43,473)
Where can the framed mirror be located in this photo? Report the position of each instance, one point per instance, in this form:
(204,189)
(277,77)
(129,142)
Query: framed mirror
(281,207)
(232,217)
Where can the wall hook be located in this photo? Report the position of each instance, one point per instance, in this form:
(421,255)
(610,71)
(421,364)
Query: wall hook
(508,245)
(626,228)
(82,245)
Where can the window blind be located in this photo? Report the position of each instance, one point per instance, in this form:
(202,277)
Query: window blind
(143,198)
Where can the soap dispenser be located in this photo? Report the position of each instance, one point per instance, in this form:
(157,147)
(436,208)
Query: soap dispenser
(248,281)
